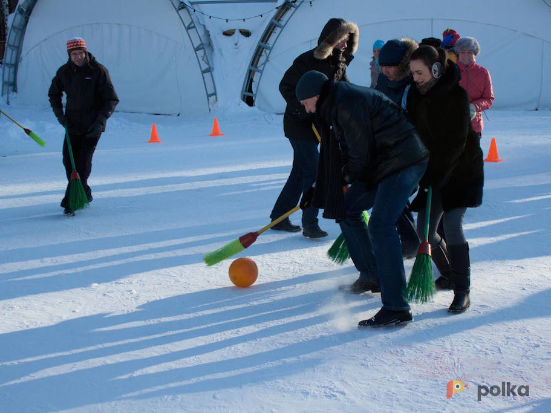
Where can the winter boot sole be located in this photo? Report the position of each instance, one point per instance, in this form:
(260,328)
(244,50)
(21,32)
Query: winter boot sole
(392,323)
(459,310)
(346,289)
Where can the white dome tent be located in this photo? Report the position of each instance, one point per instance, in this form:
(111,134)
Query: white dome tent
(158,37)
(514,37)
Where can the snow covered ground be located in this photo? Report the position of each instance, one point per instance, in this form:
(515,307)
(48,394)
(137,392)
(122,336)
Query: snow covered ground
(114,310)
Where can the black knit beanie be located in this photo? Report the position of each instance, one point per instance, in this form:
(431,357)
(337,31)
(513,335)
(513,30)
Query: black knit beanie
(310,85)
(392,53)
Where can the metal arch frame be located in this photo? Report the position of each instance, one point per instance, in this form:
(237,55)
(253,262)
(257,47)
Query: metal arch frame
(265,46)
(14,46)
(199,49)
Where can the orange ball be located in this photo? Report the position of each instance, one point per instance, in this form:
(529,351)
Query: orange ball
(243,272)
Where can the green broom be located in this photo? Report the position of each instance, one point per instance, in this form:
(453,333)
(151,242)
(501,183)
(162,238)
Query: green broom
(235,247)
(77,194)
(339,250)
(421,283)
(29,132)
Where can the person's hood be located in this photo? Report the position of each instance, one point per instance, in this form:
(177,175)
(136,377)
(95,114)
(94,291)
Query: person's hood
(334,31)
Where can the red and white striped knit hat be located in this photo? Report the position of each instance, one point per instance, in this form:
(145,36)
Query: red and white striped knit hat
(76,43)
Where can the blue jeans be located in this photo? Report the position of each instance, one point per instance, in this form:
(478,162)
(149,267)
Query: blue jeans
(302,177)
(377,246)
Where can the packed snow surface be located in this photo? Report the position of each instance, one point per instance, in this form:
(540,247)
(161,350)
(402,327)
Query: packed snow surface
(114,310)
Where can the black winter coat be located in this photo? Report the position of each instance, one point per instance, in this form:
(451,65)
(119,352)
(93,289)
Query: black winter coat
(443,120)
(90,94)
(370,138)
(297,124)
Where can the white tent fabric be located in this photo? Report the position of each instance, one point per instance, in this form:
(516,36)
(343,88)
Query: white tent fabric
(142,43)
(514,37)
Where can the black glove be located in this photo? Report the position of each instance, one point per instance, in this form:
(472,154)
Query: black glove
(95,130)
(307,198)
(62,120)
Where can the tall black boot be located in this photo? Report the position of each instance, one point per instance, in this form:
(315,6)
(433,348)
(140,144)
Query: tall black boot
(460,265)
(440,258)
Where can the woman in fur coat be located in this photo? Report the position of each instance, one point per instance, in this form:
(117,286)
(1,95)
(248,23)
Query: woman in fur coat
(439,108)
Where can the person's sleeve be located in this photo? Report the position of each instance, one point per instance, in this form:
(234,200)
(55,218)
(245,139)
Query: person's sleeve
(487,98)
(287,89)
(55,94)
(108,97)
(354,126)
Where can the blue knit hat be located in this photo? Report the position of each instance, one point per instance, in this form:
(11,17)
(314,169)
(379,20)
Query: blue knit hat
(378,44)
(392,53)
(310,85)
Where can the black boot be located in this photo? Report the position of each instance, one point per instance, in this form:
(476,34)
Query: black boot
(460,265)
(313,231)
(285,225)
(440,258)
(387,317)
(361,286)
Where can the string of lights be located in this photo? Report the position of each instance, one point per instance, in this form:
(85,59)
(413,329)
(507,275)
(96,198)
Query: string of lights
(196,10)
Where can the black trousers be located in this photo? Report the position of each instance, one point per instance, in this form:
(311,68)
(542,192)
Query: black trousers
(302,177)
(83,151)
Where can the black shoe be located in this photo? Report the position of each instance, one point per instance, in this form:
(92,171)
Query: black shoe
(387,317)
(68,211)
(286,226)
(460,303)
(361,286)
(314,231)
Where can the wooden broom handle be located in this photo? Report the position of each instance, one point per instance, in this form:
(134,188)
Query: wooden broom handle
(281,218)
(4,113)
(316,133)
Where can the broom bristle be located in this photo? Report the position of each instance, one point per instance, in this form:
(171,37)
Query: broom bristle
(339,252)
(421,283)
(221,254)
(37,139)
(77,195)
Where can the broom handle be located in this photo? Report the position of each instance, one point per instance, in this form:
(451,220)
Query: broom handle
(4,113)
(277,221)
(427,216)
(70,149)
(316,133)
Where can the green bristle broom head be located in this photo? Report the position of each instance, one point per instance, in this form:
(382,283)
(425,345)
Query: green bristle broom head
(37,139)
(339,250)
(421,283)
(77,195)
(221,254)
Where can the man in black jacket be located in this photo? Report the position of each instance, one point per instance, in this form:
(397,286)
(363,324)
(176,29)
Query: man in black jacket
(336,45)
(369,147)
(91,99)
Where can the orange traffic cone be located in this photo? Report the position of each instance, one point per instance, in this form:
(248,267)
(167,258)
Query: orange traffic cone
(492,154)
(215,129)
(154,135)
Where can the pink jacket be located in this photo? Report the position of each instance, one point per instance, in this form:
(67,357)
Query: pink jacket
(477,82)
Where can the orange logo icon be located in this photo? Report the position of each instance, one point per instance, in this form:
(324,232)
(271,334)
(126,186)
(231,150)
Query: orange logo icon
(455,386)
